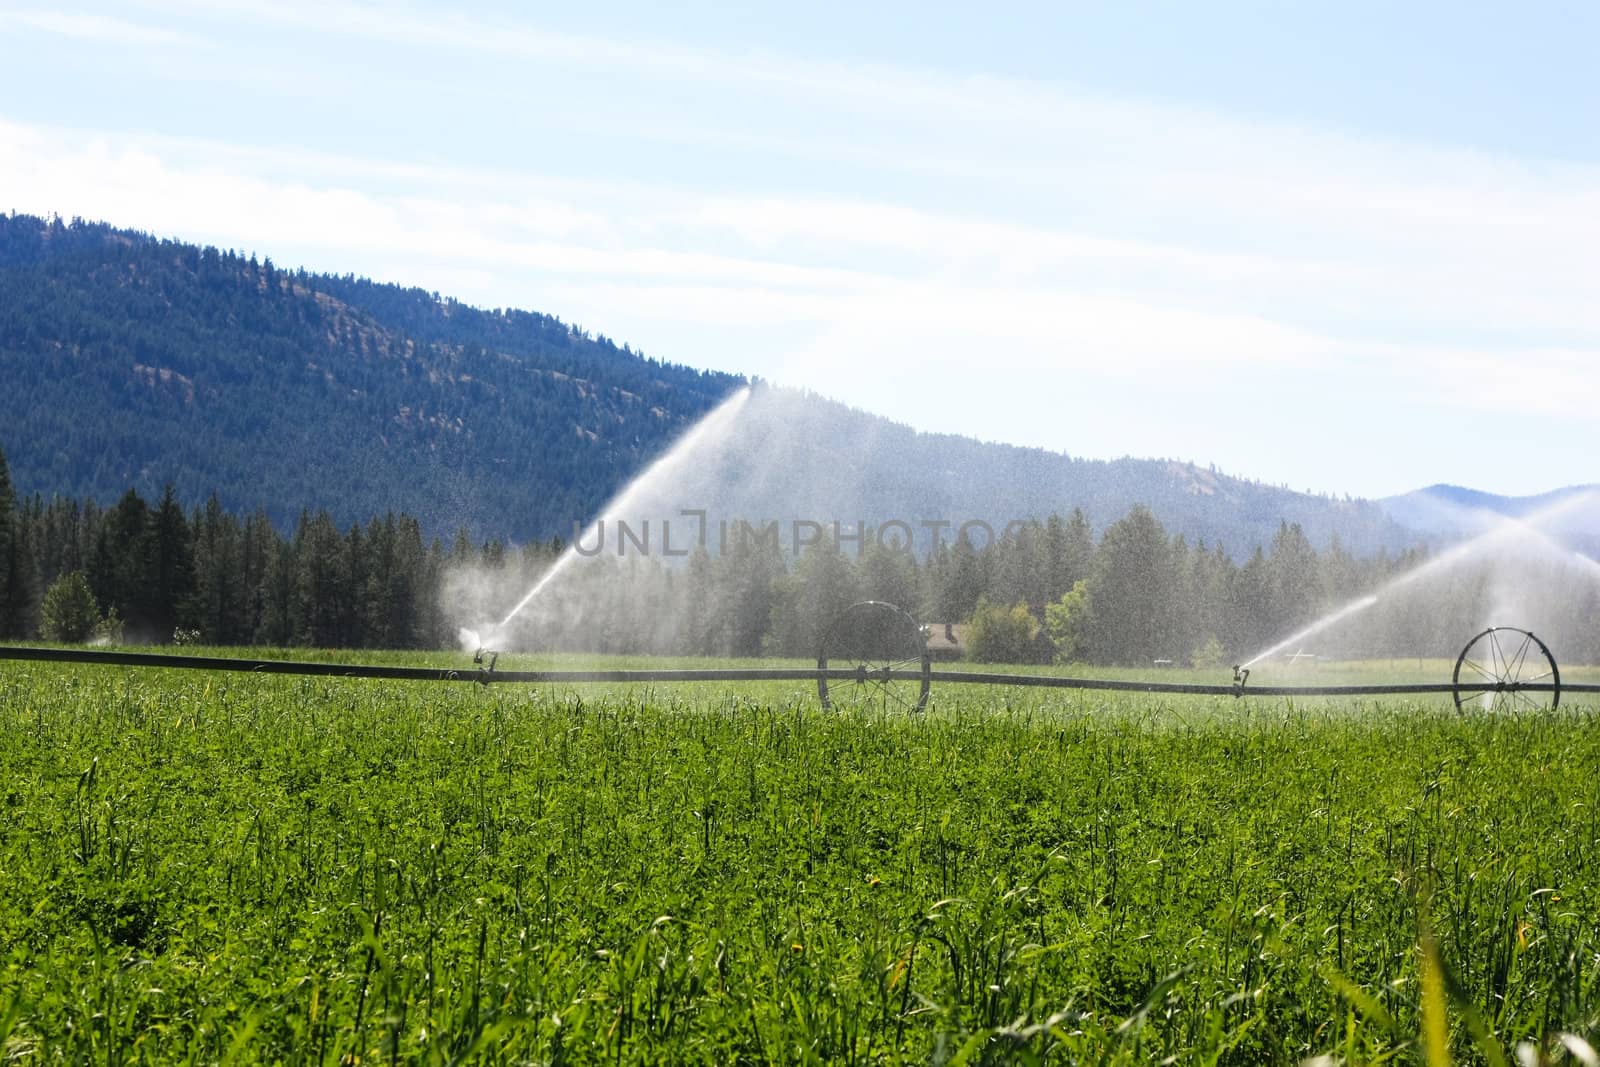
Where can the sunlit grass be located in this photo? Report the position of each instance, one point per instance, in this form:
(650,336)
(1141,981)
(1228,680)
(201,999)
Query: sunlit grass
(315,869)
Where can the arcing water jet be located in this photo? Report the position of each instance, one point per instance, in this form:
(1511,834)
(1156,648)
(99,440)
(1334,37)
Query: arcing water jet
(703,435)
(1504,529)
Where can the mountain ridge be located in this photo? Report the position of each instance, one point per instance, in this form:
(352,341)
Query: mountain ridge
(138,361)
(1444,513)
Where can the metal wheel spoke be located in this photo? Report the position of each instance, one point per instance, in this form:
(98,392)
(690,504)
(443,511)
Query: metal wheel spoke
(1522,654)
(1499,656)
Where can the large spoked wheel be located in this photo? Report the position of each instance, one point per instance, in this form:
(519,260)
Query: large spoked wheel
(886,652)
(1506,669)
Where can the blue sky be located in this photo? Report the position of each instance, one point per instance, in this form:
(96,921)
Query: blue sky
(1349,248)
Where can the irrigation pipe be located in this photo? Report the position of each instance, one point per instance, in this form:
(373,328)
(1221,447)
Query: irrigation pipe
(490,675)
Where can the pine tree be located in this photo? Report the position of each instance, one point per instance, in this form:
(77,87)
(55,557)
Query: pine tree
(1209,577)
(353,607)
(259,546)
(888,575)
(1132,590)
(964,583)
(278,604)
(1297,588)
(1250,607)
(822,586)
(12,595)
(123,570)
(173,555)
(1015,573)
(321,584)
(217,607)
(1069,553)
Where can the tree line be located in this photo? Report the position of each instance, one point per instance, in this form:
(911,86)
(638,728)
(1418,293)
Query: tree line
(1134,594)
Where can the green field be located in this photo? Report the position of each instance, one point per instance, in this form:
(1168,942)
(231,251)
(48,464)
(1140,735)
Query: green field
(202,867)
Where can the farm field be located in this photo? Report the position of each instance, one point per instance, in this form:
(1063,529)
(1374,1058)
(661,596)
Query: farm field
(199,867)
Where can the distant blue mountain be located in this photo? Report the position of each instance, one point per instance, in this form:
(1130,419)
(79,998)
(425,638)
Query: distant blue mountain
(1445,513)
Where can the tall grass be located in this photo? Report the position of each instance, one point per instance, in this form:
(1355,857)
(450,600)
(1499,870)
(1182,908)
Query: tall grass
(197,868)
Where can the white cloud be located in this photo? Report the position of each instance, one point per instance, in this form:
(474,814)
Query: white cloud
(881,281)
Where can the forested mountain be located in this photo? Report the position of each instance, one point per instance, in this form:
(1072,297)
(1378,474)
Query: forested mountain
(131,361)
(134,362)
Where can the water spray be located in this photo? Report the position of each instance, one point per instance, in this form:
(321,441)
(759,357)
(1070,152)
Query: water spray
(707,430)
(1504,528)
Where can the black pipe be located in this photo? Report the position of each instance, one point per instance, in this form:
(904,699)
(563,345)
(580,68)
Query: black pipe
(728,674)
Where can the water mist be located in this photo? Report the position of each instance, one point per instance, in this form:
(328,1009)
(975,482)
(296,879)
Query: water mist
(702,438)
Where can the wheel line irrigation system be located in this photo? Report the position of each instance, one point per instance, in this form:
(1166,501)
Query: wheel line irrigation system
(905,680)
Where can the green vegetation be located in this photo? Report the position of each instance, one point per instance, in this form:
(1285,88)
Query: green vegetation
(201,867)
(69,613)
(132,361)
(998,634)
(1051,590)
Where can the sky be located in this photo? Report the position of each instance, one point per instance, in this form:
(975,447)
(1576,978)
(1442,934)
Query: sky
(1351,249)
